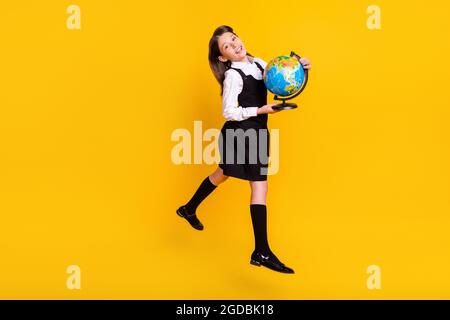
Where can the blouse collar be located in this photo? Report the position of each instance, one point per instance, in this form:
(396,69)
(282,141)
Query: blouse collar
(241,64)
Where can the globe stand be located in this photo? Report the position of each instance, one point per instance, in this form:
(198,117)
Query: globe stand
(284,105)
(289,106)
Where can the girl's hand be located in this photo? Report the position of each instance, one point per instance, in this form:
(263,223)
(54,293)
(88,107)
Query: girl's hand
(305,63)
(267,109)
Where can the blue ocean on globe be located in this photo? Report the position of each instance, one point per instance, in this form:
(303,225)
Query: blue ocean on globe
(284,76)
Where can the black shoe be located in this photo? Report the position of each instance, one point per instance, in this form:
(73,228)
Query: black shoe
(191,218)
(269,261)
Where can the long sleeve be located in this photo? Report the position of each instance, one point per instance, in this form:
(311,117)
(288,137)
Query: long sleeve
(232,87)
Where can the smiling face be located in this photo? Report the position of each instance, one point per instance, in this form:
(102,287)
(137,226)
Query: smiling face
(231,48)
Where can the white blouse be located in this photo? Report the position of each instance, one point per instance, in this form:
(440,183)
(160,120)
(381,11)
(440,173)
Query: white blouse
(232,87)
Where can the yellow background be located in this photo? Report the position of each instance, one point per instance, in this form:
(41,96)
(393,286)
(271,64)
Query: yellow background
(87,179)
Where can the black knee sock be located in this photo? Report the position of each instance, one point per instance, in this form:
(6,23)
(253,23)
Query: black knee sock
(205,188)
(259,220)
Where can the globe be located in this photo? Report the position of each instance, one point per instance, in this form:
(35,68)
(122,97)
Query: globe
(284,76)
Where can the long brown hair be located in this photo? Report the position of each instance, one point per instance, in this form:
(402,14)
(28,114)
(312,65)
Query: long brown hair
(218,67)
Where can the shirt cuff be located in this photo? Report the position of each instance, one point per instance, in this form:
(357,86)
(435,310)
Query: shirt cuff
(252,111)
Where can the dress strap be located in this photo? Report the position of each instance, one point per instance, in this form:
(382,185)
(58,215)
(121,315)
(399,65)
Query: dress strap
(259,66)
(240,72)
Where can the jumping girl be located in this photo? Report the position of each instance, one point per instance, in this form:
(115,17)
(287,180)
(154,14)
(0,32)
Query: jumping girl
(244,105)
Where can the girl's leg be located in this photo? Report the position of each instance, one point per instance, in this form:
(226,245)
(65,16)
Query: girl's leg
(217,177)
(259,192)
(207,186)
(262,254)
(259,215)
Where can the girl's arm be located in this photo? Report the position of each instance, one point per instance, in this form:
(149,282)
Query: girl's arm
(232,87)
(268,107)
(305,62)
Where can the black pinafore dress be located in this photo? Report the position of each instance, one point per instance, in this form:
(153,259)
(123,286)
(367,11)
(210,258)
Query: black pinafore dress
(244,145)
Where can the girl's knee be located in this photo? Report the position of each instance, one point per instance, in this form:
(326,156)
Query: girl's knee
(223,179)
(218,178)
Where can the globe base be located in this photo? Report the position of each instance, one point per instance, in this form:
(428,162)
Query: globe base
(284,106)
